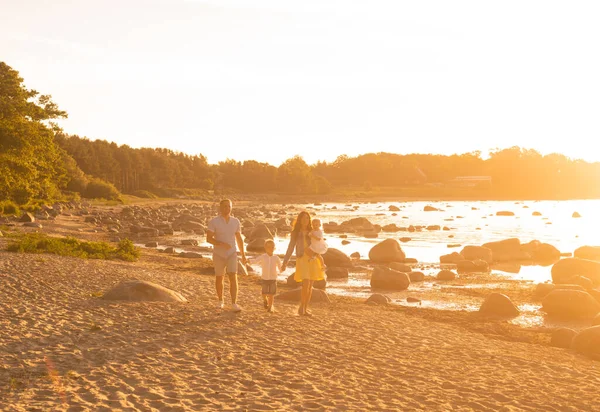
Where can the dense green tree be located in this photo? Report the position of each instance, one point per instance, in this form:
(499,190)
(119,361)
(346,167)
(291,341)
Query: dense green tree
(31,164)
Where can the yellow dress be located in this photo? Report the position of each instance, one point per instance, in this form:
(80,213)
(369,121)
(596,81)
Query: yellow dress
(307,269)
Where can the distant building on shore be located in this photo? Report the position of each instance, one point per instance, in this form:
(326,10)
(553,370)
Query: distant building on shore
(471,181)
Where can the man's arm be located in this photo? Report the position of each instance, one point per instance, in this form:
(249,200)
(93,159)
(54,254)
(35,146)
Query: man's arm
(210,238)
(240,244)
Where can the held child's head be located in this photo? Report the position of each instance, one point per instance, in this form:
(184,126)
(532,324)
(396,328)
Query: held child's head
(269,246)
(316,224)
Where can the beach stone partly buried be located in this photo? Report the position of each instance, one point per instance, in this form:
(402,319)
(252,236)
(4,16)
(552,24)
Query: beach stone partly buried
(318,296)
(140,290)
(587,342)
(27,217)
(570,304)
(588,252)
(386,278)
(416,276)
(336,258)
(497,304)
(565,269)
(562,337)
(575,214)
(337,273)
(387,251)
(191,255)
(446,275)
(505,213)
(378,299)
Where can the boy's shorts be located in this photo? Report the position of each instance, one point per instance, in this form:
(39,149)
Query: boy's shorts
(225,265)
(269,287)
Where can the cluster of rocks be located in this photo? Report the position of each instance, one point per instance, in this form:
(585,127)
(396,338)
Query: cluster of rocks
(363,227)
(478,258)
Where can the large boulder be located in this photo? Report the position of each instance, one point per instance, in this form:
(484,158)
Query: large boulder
(567,268)
(475,253)
(570,304)
(587,342)
(386,278)
(588,252)
(336,258)
(497,304)
(318,296)
(543,289)
(256,245)
(387,251)
(140,290)
(358,224)
(507,250)
(260,231)
(541,252)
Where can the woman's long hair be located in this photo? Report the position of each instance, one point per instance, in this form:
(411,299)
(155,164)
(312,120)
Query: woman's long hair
(296,225)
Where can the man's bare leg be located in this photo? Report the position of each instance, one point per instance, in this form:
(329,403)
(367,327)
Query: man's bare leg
(233,287)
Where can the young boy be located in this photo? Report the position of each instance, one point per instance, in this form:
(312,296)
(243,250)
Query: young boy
(270,265)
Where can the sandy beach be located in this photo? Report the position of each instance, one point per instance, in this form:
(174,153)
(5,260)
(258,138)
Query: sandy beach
(64,348)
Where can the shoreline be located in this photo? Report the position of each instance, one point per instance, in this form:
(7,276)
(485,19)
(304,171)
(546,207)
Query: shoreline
(336,198)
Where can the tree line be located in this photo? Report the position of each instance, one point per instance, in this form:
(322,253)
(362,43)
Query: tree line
(40,161)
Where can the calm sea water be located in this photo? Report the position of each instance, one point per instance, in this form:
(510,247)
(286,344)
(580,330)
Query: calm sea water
(468,227)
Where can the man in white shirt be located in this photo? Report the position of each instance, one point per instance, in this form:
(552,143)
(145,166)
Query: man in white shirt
(224,232)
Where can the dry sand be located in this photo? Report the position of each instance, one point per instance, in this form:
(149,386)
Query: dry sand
(63,348)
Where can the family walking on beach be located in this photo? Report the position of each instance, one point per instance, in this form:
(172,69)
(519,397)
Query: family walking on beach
(306,238)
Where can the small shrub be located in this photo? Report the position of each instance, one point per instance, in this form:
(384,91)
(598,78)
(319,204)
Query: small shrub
(34,205)
(8,207)
(98,188)
(126,250)
(69,246)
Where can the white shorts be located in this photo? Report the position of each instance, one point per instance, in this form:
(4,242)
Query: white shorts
(224,265)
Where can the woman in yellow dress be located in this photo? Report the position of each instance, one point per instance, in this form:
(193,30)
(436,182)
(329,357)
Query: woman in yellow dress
(307,270)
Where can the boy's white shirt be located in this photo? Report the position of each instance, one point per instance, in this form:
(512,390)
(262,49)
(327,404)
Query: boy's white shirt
(269,265)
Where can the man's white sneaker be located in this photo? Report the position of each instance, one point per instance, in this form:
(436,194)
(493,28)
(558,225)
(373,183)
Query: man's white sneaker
(235,307)
(220,305)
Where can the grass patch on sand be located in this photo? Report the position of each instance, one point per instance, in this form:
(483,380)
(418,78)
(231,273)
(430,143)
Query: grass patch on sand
(69,246)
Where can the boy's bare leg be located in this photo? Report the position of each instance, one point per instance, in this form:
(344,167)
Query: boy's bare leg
(265,301)
(270,302)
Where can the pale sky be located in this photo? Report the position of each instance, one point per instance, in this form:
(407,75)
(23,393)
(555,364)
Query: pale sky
(269,79)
